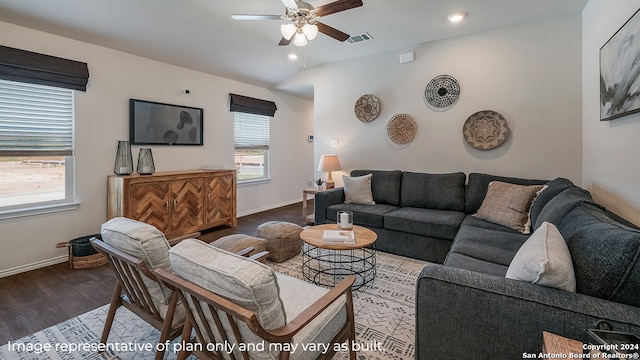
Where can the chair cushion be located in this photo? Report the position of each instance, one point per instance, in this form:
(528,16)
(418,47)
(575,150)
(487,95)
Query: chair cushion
(544,259)
(434,223)
(144,242)
(433,191)
(385,185)
(509,205)
(357,190)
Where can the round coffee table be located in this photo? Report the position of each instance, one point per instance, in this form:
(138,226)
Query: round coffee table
(327,264)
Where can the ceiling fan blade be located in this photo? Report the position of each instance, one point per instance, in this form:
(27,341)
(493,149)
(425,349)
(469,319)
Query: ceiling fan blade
(332,32)
(255,17)
(337,6)
(290,4)
(284,41)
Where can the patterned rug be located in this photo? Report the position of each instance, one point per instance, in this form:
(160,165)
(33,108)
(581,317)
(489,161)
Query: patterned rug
(384,313)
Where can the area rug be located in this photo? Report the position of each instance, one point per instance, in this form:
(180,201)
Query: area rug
(384,313)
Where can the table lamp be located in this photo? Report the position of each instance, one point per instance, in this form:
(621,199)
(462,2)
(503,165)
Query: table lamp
(329,163)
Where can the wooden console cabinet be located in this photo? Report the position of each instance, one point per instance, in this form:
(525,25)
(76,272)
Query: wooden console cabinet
(177,203)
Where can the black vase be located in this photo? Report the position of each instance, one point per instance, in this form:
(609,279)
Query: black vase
(124,160)
(145,162)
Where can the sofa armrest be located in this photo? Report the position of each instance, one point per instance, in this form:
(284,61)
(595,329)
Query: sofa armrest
(323,200)
(462,314)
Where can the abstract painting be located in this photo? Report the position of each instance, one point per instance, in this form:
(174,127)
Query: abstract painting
(620,72)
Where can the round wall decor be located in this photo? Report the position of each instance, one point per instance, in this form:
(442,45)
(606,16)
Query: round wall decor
(402,129)
(367,108)
(442,93)
(485,130)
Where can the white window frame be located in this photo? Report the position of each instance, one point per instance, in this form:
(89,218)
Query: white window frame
(8,149)
(256,138)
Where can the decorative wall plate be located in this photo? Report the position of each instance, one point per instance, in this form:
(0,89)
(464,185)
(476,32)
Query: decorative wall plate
(485,130)
(402,129)
(367,108)
(442,93)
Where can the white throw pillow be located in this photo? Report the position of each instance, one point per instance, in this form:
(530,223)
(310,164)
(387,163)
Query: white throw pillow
(544,259)
(357,190)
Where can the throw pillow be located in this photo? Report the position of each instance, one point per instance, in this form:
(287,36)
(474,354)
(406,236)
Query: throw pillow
(544,259)
(508,205)
(357,189)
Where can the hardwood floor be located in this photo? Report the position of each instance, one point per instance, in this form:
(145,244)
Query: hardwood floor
(41,298)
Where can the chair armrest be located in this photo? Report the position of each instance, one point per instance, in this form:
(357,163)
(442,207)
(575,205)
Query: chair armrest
(462,314)
(286,332)
(323,200)
(176,240)
(260,257)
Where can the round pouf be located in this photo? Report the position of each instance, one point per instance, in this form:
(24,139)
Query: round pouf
(237,242)
(283,239)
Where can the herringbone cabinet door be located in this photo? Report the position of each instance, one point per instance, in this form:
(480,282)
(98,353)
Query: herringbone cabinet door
(187,214)
(220,199)
(149,203)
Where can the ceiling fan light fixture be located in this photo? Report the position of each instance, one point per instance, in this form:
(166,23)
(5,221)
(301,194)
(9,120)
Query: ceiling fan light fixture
(310,31)
(287,30)
(299,39)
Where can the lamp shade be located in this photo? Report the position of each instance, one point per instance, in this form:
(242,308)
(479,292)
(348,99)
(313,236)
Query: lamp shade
(329,162)
(287,30)
(310,31)
(299,39)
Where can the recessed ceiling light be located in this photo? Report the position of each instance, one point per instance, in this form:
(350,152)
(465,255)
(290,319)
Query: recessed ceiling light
(293,56)
(457,17)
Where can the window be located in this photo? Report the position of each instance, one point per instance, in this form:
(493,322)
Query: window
(36,146)
(251,138)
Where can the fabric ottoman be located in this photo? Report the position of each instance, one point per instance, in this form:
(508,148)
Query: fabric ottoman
(237,242)
(283,239)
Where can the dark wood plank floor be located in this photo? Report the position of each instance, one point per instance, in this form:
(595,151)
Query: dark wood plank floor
(34,300)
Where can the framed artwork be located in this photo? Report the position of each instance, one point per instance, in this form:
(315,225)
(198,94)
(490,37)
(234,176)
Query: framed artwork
(153,123)
(620,72)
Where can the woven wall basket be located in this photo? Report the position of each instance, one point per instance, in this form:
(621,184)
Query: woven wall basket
(402,129)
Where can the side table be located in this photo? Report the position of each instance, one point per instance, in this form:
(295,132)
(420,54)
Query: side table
(309,219)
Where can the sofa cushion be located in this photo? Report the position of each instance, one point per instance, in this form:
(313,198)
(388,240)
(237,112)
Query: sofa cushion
(544,259)
(365,215)
(385,185)
(509,204)
(553,188)
(460,261)
(357,189)
(470,220)
(433,191)
(559,206)
(428,222)
(494,246)
(146,243)
(606,254)
(479,183)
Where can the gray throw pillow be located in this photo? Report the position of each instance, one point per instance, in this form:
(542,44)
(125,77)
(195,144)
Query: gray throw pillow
(544,259)
(508,205)
(357,190)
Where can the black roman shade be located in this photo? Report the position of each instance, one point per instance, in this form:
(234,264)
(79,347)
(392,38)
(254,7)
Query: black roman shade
(30,67)
(245,104)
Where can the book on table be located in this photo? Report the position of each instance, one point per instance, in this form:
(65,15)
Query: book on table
(339,237)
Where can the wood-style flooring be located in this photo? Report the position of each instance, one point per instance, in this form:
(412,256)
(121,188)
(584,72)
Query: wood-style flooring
(34,300)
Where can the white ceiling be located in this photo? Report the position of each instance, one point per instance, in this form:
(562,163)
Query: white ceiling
(200,34)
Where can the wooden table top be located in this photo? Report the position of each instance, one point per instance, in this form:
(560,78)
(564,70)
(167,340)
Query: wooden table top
(312,235)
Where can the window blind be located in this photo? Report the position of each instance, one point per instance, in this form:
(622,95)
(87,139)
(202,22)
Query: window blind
(251,131)
(35,120)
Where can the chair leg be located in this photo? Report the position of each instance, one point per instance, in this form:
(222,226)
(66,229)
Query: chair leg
(116,301)
(186,337)
(167,325)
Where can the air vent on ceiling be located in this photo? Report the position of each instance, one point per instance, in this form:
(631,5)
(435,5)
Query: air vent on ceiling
(360,38)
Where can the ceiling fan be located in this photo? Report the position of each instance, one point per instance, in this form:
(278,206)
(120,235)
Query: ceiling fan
(303,17)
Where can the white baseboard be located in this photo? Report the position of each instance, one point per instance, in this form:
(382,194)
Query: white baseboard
(33,266)
(270,207)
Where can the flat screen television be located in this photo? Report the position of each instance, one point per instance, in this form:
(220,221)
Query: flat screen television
(153,123)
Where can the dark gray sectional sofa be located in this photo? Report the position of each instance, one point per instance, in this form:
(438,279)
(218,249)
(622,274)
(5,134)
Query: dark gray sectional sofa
(465,307)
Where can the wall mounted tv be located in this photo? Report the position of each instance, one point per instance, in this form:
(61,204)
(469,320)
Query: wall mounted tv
(153,123)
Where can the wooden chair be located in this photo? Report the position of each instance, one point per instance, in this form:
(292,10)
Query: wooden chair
(218,320)
(133,293)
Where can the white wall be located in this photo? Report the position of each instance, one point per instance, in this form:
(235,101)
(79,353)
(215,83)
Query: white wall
(528,73)
(611,168)
(102,118)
